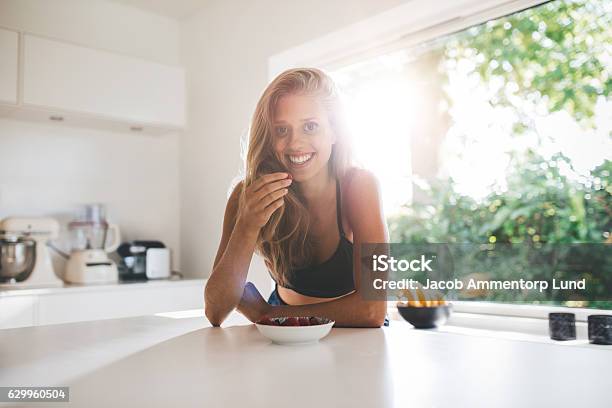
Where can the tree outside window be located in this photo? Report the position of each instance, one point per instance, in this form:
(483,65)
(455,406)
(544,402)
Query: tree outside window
(500,133)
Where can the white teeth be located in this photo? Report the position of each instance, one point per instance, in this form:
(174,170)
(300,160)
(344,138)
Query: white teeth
(300,159)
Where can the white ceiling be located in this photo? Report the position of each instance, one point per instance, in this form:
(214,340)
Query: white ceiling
(170,8)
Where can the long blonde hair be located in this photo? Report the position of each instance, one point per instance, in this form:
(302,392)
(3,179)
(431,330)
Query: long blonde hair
(284,241)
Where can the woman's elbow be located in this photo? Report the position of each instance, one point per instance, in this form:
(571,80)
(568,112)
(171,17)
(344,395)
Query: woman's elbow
(214,318)
(211,310)
(377,312)
(213,314)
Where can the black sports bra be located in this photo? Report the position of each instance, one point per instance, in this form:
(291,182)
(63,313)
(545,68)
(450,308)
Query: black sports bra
(333,277)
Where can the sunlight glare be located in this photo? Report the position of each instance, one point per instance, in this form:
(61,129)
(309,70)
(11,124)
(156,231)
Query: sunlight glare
(381,115)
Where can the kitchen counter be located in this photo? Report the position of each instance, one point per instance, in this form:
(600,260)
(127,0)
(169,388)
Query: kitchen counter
(22,306)
(7,290)
(177,359)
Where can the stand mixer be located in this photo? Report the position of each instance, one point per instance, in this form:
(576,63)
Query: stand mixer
(88,261)
(24,257)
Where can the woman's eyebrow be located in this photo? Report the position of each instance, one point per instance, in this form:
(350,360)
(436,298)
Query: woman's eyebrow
(280,121)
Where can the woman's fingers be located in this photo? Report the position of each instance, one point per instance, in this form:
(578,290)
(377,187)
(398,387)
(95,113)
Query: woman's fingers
(271,188)
(265,196)
(273,207)
(268,178)
(275,195)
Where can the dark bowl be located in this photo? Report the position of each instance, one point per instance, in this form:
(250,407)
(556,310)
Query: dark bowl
(425,317)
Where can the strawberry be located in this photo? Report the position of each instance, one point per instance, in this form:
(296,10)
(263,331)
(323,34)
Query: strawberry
(291,321)
(304,321)
(267,321)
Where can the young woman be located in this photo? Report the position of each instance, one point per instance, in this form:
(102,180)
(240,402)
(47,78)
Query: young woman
(303,207)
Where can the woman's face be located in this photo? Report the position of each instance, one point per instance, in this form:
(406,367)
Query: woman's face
(302,136)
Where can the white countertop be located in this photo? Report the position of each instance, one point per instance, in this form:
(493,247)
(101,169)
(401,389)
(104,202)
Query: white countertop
(161,361)
(18,290)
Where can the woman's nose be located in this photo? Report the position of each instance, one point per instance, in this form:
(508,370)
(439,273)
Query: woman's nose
(296,137)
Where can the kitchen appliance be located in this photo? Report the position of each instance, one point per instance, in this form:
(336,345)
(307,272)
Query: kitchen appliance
(142,260)
(24,257)
(88,261)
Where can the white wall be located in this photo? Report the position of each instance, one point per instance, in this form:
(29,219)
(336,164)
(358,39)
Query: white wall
(50,168)
(98,24)
(225,50)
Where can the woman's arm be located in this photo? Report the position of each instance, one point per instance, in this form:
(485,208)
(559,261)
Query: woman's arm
(231,264)
(368,224)
(241,225)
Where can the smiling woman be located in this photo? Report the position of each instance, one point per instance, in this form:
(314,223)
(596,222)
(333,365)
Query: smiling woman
(303,207)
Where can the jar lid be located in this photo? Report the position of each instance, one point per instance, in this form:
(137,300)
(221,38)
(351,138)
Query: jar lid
(600,318)
(562,317)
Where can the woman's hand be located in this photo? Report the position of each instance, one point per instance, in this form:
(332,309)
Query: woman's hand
(262,198)
(252,305)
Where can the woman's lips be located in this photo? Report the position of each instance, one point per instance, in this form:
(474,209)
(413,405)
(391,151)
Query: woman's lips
(300,160)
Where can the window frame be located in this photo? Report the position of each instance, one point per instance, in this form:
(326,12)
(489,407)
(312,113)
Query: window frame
(523,310)
(408,26)
(404,26)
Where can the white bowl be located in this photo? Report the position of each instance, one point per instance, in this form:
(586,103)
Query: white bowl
(295,334)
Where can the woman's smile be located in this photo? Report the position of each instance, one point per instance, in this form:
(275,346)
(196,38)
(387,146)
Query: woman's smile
(300,160)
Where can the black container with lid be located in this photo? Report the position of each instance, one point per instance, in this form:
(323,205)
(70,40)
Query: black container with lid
(562,326)
(600,329)
(133,264)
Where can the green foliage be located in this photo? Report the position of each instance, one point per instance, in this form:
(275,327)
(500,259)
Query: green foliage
(556,54)
(541,204)
(542,209)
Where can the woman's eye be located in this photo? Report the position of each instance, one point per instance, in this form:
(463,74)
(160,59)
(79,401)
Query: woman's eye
(310,127)
(281,130)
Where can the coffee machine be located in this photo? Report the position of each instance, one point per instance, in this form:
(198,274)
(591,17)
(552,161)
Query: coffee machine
(88,261)
(143,260)
(24,257)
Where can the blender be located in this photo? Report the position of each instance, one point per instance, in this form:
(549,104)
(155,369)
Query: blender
(88,261)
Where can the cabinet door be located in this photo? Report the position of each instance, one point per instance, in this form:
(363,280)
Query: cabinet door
(9,51)
(17,311)
(72,78)
(112,304)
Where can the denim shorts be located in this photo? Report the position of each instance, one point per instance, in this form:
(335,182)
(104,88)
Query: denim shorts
(275,300)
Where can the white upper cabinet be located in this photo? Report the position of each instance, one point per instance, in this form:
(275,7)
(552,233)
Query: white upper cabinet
(68,78)
(9,66)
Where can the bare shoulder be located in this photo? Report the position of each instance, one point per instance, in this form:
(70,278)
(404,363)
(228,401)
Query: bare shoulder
(233,202)
(362,203)
(235,195)
(360,184)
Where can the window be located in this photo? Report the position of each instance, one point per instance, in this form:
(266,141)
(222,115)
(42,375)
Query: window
(498,133)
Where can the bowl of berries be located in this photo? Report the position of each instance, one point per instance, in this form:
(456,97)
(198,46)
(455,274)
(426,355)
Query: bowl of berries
(294,330)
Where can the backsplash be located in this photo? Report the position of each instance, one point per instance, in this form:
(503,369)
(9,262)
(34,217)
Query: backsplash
(51,170)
